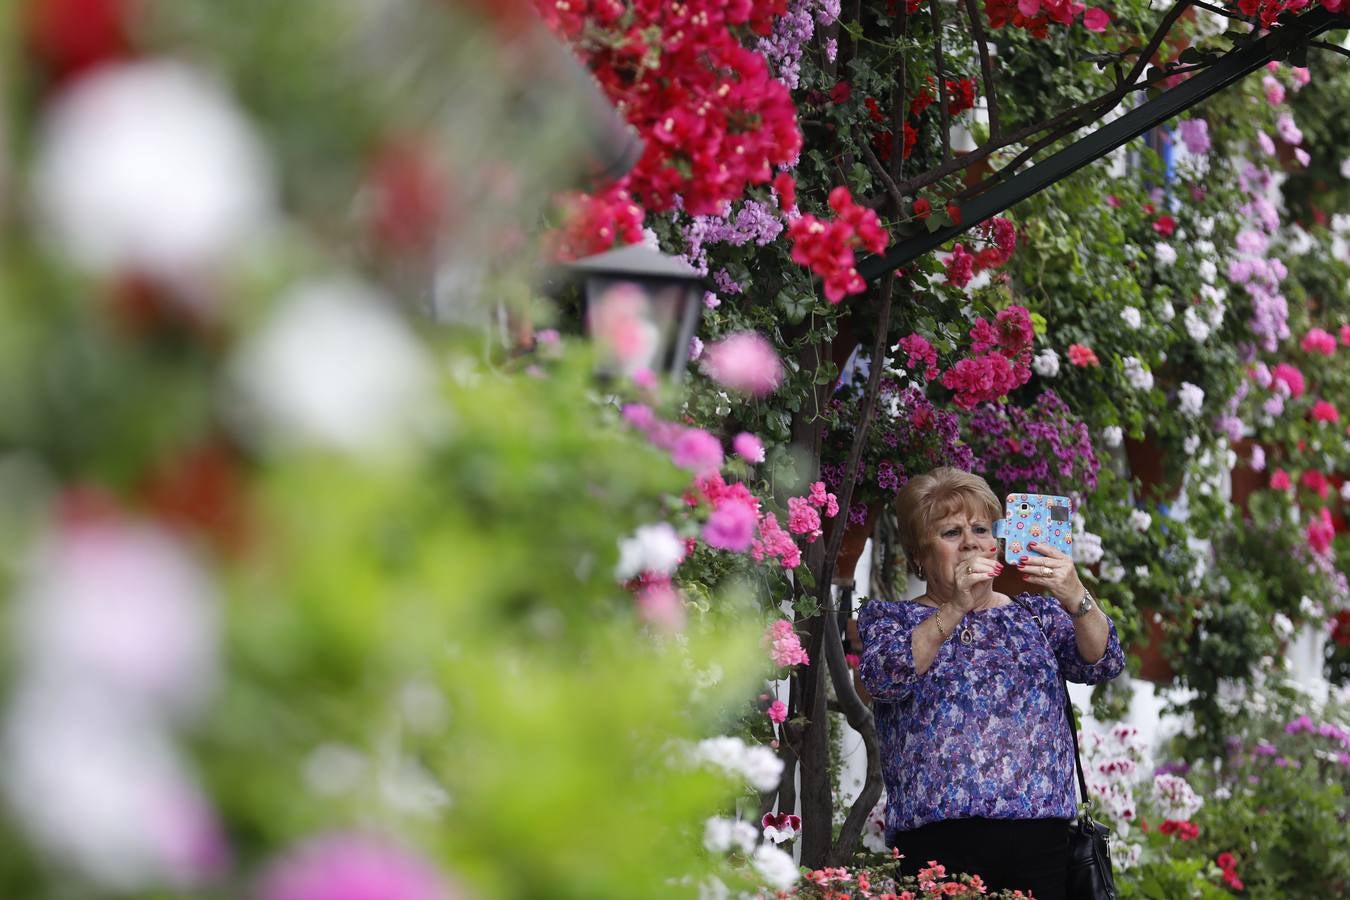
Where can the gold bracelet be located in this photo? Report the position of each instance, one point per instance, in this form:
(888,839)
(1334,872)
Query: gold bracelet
(937,617)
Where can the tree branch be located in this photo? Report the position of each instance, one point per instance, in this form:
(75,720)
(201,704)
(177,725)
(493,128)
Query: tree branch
(938,67)
(875,165)
(898,108)
(986,66)
(1326,45)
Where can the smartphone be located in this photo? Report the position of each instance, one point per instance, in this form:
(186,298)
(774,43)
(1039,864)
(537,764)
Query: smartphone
(1042,518)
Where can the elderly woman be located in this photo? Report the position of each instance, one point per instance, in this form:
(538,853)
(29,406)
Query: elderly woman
(976,751)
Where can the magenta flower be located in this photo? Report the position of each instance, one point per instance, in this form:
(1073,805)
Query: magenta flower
(1321,532)
(748,447)
(778,712)
(698,451)
(1290,377)
(803,518)
(785,647)
(1195,135)
(730,527)
(1319,340)
(353,867)
(1325,411)
(744,362)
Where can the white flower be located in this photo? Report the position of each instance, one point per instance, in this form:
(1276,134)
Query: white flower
(1345,492)
(1113,435)
(1126,855)
(1205,248)
(712,888)
(1175,798)
(1140,379)
(721,835)
(1310,608)
(1190,399)
(1140,520)
(1205,226)
(1196,326)
(1191,444)
(1046,363)
(652,548)
(335,367)
(1132,318)
(1167,312)
(1340,223)
(1087,548)
(1165,254)
(150,167)
(1282,626)
(1345,167)
(757,765)
(775,867)
(1141,571)
(1209,271)
(1113,572)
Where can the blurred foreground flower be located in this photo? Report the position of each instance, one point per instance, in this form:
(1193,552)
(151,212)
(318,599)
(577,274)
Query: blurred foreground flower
(353,867)
(149,167)
(336,367)
(744,362)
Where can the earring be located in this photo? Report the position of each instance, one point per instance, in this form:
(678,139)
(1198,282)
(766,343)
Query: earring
(918,570)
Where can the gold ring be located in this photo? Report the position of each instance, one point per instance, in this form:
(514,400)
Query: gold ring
(1045,570)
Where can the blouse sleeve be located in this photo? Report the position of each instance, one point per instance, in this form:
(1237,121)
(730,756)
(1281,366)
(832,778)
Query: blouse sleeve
(887,667)
(1060,631)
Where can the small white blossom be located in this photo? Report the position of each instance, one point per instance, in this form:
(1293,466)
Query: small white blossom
(775,867)
(1310,608)
(1209,271)
(1132,318)
(1175,797)
(1190,399)
(1191,444)
(1087,548)
(1345,492)
(1165,254)
(1282,626)
(1046,363)
(652,548)
(1140,379)
(1196,325)
(1205,226)
(1140,520)
(1167,312)
(1113,572)
(759,766)
(1113,435)
(1345,167)
(1141,571)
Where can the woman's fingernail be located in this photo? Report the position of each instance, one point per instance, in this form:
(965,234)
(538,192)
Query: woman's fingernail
(1031,543)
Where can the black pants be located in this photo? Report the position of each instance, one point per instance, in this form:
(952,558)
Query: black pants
(1009,854)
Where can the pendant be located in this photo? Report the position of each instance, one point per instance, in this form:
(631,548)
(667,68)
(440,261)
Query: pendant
(966,636)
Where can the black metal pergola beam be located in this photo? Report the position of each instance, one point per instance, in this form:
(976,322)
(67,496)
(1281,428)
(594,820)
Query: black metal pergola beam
(1232,67)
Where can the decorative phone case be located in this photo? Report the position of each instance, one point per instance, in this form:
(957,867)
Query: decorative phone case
(1043,518)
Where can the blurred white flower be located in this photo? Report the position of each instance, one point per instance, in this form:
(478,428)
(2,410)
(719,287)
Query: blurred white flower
(652,548)
(1087,548)
(1190,399)
(759,766)
(1165,254)
(331,769)
(335,367)
(1196,326)
(122,606)
(1191,444)
(1209,271)
(104,793)
(150,166)
(775,867)
(1141,572)
(1140,520)
(1132,317)
(1113,572)
(1175,797)
(1046,363)
(1282,626)
(1140,379)
(1167,312)
(1113,435)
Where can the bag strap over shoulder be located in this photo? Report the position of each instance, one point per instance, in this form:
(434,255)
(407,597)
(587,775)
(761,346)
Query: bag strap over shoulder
(1068,703)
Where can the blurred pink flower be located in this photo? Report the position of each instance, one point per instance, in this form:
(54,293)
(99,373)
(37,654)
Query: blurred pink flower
(1325,411)
(353,867)
(1319,340)
(698,451)
(778,712)
(744,362)
(803,518)
(730,527)
(1273,89)
(1280,481)
(1321,532)
(748,447)
(785,647)
(659,605)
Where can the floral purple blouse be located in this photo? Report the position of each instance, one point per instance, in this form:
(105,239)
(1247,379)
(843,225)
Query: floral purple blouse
(982,732)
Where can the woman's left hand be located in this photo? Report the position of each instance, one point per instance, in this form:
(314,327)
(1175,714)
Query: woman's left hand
(1054,572)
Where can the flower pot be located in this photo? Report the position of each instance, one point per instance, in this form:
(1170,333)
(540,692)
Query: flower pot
(855,541)
(1153,663)
(1148,465)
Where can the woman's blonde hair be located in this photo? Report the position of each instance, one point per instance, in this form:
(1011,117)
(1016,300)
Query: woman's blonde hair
(929,498)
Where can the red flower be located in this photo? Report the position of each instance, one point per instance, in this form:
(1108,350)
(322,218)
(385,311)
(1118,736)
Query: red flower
(71,36)
(1165,225)
(1324,411)
(954,213)
(960,266)
(1184,830)
(786,189)
(922,208)
(1280,480)
(1082,356)
(841,92)
(873,110)
(408,197)
(826,247)
(1321,532)
(1226,861)
(1316,482)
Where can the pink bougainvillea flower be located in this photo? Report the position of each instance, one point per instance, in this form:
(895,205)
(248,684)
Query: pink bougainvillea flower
(1096,19)
(785,647)
(1325,411)
(697,450)
(748,447)
(1318,340)
(1280,480)
(744,362)
(353,867)
(1290,377)
(1345,335)
(1274,91)
(1321,532)
(731,526)
(1082,356)
(777,714)
(1316,482)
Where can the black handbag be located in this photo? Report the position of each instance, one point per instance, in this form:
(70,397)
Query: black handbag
(1089,875)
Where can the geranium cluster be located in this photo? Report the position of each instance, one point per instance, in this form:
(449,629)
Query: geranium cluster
(785,646)
(713,118)
(1042,448)
(1251,266)
(1035,16)
(1001,360)
(826,247)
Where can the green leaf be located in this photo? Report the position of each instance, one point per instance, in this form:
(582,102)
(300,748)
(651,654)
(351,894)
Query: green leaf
(795,306)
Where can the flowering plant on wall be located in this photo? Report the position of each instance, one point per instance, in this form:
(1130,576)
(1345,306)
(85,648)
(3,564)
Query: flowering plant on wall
(1041,447)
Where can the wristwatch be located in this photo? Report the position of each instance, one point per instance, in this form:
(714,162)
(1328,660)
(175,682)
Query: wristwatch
(1086,605)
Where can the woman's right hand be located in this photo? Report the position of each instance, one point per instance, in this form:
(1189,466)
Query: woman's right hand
(969,575)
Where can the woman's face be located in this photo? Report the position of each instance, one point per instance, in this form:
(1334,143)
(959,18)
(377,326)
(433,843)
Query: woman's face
(956,538)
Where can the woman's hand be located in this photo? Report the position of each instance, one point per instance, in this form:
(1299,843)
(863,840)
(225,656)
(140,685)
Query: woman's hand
(970,573)
(1054,572)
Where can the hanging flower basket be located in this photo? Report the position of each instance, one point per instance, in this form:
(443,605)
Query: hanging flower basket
(855,541)
(1154,665)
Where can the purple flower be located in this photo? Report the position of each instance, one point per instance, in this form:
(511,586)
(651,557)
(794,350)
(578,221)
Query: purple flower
(353,867)
(1195,135)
